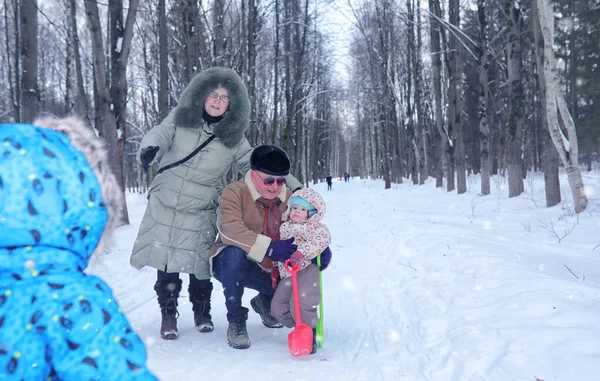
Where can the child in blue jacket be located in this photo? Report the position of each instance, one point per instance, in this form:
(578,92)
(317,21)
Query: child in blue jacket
(58,207)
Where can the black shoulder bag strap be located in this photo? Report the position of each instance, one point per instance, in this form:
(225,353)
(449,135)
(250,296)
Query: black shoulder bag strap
(188,157)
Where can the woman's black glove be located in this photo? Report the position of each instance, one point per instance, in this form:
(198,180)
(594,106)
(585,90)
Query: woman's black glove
(147,155)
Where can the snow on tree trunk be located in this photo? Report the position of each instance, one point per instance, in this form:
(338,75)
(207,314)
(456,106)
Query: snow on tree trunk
(556,107)
(549,154)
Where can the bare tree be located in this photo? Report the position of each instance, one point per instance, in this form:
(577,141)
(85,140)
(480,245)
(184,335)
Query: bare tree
(516,98)
(220,40)
(412,112)
(29,58)
(189,34)
(436,62)
(111,111)
(484,129)
(253,29)
(77,100)
(13,79)
(163,62)
(549,155)
(556,107)
(419,98)
(276,59)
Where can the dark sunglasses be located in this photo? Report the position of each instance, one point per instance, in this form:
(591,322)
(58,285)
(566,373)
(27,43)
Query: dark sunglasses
(271,180)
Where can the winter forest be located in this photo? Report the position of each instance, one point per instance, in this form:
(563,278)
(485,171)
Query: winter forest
(383,89)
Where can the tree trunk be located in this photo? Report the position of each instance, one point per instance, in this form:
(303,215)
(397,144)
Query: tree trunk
(220,41)
(549,155)
(12,83)
(190,34)
(556,106)
(451,107)
(275,123)
(412,114)
(516,99)
(419,100)
(436,63)
(484,129)
(163,62)
(80,106)
(251,56)
(455,99)
(69,96)
(30,94)
(120,46)
(106,122)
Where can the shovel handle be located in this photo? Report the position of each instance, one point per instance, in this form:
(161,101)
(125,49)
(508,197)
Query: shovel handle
(293,269)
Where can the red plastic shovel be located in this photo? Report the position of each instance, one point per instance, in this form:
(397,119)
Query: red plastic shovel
(301,338)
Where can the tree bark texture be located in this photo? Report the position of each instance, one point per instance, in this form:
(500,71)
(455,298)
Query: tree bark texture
(163,62)
(549,153)
(30,93)
(436,63)
(516,99)
(556,107)
(484,129)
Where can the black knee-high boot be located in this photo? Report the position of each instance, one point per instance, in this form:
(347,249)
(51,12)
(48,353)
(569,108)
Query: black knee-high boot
(200,293)
(168,293)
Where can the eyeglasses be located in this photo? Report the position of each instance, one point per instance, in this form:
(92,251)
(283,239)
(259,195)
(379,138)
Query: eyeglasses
(223,98)
(271,180)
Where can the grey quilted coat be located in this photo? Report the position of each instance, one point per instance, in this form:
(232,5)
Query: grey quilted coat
(179,225)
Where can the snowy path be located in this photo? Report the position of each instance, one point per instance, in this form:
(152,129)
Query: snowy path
(424,285)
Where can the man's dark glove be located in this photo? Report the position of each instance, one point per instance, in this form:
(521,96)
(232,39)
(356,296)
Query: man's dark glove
(325,259)
(147,155)
(281,250)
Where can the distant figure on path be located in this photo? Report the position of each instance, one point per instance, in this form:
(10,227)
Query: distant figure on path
(328,178)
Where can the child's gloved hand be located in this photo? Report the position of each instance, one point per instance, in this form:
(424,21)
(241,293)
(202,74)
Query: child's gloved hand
(297,258)
(325,259)
(281,250)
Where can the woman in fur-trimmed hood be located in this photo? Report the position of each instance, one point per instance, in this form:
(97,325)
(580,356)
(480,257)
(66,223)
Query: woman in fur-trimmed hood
(179,225)
(59,204)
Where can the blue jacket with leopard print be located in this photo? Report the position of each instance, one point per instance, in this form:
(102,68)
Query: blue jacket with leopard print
(56,322)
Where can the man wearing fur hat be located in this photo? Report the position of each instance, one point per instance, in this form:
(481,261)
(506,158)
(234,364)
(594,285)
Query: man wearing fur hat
(249,216)
(195,146)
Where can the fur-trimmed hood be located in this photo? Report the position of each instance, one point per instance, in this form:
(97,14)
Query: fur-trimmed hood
(313,198)
(236,120)
(57,189)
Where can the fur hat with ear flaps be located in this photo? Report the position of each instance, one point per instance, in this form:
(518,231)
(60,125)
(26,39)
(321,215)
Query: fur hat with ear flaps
(236,120)
(271,160)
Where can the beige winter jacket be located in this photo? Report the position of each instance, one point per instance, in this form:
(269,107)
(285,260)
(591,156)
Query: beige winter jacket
(241,218)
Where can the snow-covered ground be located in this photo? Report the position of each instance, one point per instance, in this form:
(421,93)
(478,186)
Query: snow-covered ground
(424,285)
